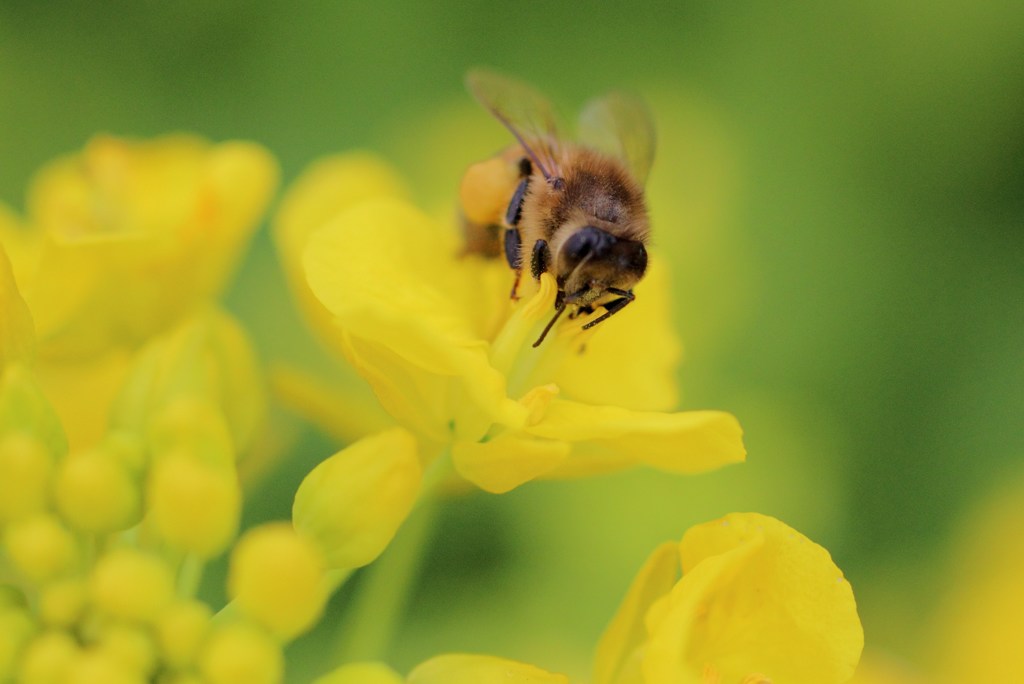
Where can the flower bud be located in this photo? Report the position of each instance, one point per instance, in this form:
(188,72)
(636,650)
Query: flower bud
(95,493)
(194,505)
(130,584)
(130,646)
(275,579)
(353,503)
(47,658)
(240,653)
(25,472)
(61,603)
(40,547)
(180,630)
(16,629)
(98,667)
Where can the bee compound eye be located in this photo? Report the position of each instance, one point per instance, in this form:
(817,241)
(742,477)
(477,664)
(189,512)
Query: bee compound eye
(638,261)
(588,241)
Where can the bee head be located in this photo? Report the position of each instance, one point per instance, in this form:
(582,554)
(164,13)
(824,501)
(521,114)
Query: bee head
(592,260)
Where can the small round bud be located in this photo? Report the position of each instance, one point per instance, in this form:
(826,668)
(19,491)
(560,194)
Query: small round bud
(16,628)
(130,646)
(96,667)
(40,547)
(25,471)
(131,585)
(61,603)
(275,579)
(95,493)
(239,653)
(193,504)
(180,631)
(47,658)
(128,449)
(196,425)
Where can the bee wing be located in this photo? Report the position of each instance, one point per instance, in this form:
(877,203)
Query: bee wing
(621,125)
(523,111)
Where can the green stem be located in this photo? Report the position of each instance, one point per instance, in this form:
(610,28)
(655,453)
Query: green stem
(367,629)
(189,575)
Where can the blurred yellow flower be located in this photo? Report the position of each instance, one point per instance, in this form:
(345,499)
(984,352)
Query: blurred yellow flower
(757,601)
(122,241)
(449,356)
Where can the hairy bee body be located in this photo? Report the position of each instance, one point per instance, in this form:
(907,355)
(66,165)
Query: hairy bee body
(563,208)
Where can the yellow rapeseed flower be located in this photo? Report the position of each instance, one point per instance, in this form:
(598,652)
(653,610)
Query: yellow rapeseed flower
(716,623)
(450,358)
(120,242)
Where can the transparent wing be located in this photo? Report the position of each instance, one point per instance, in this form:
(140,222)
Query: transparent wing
(523,111)
(620,124)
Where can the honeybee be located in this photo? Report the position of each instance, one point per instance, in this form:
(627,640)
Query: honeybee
(572,209)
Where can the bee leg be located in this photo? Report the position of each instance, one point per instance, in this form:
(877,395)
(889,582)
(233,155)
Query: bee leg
(515,206)
(541,258)
(513,248)
(614,306)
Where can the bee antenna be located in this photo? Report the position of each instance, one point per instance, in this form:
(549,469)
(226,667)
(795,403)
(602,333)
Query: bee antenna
(544,333)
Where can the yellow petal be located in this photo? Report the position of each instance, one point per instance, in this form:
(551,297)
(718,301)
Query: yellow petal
(480,669)
(687,442)
(352,504)
(507,461)
(617,658)
(347,413)
(362,673)
(632,358)
(756,597)
(82,392)
(387,274)
(16,329)
(981,617)
(324,190)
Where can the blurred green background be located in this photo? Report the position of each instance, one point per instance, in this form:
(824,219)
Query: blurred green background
(839,189)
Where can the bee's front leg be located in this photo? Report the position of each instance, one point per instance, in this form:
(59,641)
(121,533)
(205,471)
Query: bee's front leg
(513,254)
(541,258)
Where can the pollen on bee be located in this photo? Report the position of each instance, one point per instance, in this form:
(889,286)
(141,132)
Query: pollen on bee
(485,189)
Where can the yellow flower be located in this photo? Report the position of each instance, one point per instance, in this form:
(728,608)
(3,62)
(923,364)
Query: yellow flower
(122,241)
(450,357)
(757,601)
